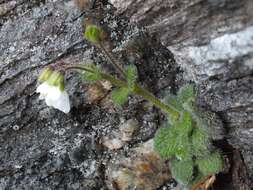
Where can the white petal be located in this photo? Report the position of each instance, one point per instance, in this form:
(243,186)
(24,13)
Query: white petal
(49,101)
(43,89)
(62,103)
(40,88)
(54,97)
(54,92)
(42,96)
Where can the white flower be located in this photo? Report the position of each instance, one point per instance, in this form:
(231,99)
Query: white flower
(54,97)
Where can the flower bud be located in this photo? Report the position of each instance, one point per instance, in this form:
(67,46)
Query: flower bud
(92,33)
(45,74)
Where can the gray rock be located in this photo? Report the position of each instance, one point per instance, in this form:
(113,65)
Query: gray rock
(212,42)
(42,148)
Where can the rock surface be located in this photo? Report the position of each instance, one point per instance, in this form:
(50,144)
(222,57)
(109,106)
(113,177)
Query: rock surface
(42,148)
(143,170)
(212,42)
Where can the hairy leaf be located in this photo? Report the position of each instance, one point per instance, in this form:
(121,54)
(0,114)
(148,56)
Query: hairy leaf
(198,116)
(172,100)
(165,142)
(200,142)
(182,171)
(91,76)
(186,93)
(120,95)
(183,150)
(211,164)
(131,75)
(184,125)
(187,139)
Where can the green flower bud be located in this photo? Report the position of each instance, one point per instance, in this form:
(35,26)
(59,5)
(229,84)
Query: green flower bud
(56,79)
(45,74)
(92,33)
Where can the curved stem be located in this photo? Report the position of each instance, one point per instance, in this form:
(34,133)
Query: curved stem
(114,62)
(137,90)
(145,94)
(77,67)
(156,101)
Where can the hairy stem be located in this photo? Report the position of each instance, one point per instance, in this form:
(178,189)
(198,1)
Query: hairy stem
(145,94)
(156,101)
(137,90)
(113,61)
(77,67)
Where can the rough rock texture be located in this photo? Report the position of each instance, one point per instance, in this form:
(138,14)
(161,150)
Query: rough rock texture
(144,170)
(191,21)
(42,148)
(212,42)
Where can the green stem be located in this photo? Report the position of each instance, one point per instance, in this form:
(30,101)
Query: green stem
(113,80)
(145,94)
(137,90)
(77,67)
(156,101)
(114,62)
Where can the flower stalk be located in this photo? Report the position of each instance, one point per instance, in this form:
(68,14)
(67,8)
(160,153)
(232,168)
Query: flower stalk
(112,59)
(93,33)
(137,90)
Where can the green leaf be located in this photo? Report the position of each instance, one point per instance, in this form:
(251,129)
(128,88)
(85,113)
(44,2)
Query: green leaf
(183,150)
(172,100)
(94,75)
(186,93)
(182,171)
(92,33)
(131,75)
(200,142)
(120,95)
(211,164)
(173,141)
(184,126)
(181,131)
(197,116)
(165,142)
